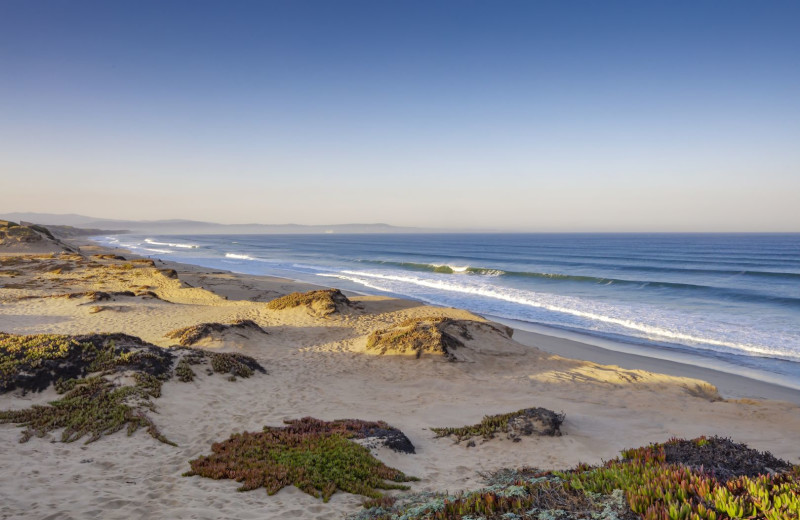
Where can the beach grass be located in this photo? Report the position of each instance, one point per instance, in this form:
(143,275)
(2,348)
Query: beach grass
(418,336)
(322,302)
(187,336)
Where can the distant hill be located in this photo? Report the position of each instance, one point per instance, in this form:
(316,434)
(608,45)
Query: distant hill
(166,227)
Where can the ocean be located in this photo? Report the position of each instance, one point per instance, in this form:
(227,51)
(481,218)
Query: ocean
(725,300)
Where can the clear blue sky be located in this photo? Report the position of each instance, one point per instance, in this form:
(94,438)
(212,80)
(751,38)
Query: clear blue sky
(540,116)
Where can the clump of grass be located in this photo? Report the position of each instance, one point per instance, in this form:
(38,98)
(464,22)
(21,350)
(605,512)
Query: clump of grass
(704,391)
(317,457)
(418,336)
(236,365)
(184,371)
(528,421)
(187,336)
(231,363)
(320,303)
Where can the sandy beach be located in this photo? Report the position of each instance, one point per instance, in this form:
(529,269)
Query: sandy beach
(319,366)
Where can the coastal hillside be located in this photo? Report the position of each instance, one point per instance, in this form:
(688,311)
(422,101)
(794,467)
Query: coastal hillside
(26,237)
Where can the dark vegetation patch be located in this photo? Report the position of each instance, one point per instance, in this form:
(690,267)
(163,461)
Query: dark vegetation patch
(657,488)
(95,296)
(317,457)
(187,336)
(43,230)
(145,261)
(642,484)
(169,273)
(230,363)
(150,295)
(237,365)
(13,233)
(109,257)
(528,421)
(32,363)
(88,370)
(320,303)
(722,458)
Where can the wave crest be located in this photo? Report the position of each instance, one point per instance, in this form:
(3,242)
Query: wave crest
(170,244)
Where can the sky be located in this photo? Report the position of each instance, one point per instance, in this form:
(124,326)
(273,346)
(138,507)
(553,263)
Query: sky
(508,115)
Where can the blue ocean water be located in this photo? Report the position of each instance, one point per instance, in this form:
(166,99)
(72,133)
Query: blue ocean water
(732,297)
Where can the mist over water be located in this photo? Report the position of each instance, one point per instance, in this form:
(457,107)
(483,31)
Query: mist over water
(734,297)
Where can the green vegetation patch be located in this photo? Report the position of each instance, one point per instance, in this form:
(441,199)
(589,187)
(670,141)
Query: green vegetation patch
(528,421)
(657,488)
(101,403)
(187,336)
(657,482)
(317,457)
(321,303)
(93,407)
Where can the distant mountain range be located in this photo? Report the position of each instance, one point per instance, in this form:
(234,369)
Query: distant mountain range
(176,227)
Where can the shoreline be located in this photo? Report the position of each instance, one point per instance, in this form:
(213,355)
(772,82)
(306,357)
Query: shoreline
(548,339)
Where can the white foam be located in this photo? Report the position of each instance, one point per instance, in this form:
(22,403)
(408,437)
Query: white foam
(238,256)
(557,304)
(183,246)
